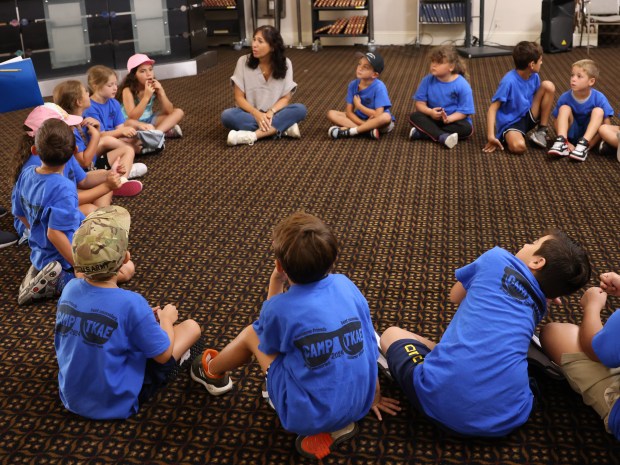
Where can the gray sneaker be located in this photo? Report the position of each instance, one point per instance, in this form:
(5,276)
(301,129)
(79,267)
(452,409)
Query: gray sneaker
(539,137)
(7,238)
(215,386)
(39,285)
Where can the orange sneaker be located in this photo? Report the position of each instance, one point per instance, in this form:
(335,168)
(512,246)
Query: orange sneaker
(320,445)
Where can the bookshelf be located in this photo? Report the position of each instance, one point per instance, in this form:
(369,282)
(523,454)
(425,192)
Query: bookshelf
(439,12)
(358,25)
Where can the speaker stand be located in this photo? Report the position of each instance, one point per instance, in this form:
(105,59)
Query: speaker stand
(480,50)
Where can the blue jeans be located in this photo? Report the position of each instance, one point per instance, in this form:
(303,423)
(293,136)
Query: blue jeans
(236,118)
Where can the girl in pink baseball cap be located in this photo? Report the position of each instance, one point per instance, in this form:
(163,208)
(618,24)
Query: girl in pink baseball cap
(140,90)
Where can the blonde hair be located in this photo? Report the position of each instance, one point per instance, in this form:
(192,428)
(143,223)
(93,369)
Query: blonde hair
(589,66)
(449,53)
(67,94)
(98,77)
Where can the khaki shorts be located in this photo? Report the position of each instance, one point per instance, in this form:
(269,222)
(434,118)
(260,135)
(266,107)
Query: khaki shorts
(598,385)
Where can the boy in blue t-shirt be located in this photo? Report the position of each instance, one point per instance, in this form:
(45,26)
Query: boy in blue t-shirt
(520,103)
(579,113)
(315,343)
(47,203)
(589,354)
(113,350)
(368,103)
(475,382)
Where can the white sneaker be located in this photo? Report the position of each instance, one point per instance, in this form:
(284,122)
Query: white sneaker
(241,137)
(293,132)
(174,133)
(137,170)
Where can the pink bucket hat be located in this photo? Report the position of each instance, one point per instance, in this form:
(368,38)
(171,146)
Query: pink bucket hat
(137,60)
(48,111)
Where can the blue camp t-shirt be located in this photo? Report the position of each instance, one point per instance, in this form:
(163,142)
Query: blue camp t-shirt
(583,110)
(103,338)
(72,171)
(109,114)
(46,201)
(516,95)
(454,96)
(606,346)
(374,96)
(325,374)
(475,381)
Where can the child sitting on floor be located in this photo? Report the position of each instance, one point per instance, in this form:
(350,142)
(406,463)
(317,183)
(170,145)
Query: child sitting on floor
(315,343)
(368,103)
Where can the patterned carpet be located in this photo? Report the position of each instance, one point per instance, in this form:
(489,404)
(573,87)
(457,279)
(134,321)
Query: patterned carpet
(406,214)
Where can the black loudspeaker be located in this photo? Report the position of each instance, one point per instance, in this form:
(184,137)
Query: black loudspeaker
(557,25)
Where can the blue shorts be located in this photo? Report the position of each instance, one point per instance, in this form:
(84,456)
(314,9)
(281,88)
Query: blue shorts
(155,376)
(524,125)
(403,356)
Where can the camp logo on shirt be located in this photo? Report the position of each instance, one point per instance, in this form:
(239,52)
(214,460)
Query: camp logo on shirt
(519,288)
(94,328)
(319,347)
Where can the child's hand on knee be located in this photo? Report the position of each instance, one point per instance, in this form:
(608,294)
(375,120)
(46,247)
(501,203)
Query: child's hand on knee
(169,313)
(610,283)
(594,298)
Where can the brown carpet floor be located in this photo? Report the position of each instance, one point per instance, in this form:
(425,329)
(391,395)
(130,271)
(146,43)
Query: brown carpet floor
(406,214)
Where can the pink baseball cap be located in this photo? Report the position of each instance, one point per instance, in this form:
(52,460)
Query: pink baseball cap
(137,60)
(47,111)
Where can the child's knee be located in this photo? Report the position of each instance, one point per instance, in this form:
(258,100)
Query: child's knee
(548,86)
(517,146)
(193,329)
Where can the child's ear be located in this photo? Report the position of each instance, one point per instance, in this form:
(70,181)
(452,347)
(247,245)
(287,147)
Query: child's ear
(536,262)
(33,150)
(279,266)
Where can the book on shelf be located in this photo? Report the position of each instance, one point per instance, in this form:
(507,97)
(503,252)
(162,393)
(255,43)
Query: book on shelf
(219,3)
(340,3)
(354,25)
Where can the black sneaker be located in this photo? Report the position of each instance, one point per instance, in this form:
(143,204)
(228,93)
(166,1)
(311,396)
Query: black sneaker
(536,357)
(7,238)
(559,147)
(580,152)
(606,150)
(215,386)
(3,211)
(374,134)
(336,133)
(415,134)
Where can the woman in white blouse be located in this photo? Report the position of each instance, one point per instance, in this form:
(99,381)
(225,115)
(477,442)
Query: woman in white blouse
(263,87)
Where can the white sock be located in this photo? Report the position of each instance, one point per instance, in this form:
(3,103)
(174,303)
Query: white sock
(353,132)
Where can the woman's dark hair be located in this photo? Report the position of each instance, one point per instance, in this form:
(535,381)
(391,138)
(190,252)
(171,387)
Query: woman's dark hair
(278,60)
(130,81)
(24,150)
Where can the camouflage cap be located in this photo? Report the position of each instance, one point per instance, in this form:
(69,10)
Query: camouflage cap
(100,243)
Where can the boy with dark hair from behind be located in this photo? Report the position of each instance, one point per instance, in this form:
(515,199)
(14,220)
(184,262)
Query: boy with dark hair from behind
(475,382)
(113,353)
(315,343)
(47,203)
(521,102)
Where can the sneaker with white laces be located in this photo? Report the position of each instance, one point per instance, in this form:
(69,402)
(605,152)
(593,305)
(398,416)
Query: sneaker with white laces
(174,133)
(241,137)
(38,285)
(449,140)
(137,170)
(293,132)
(216,386)
(580,152)
(559,147)
(539,137)
(320,445)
